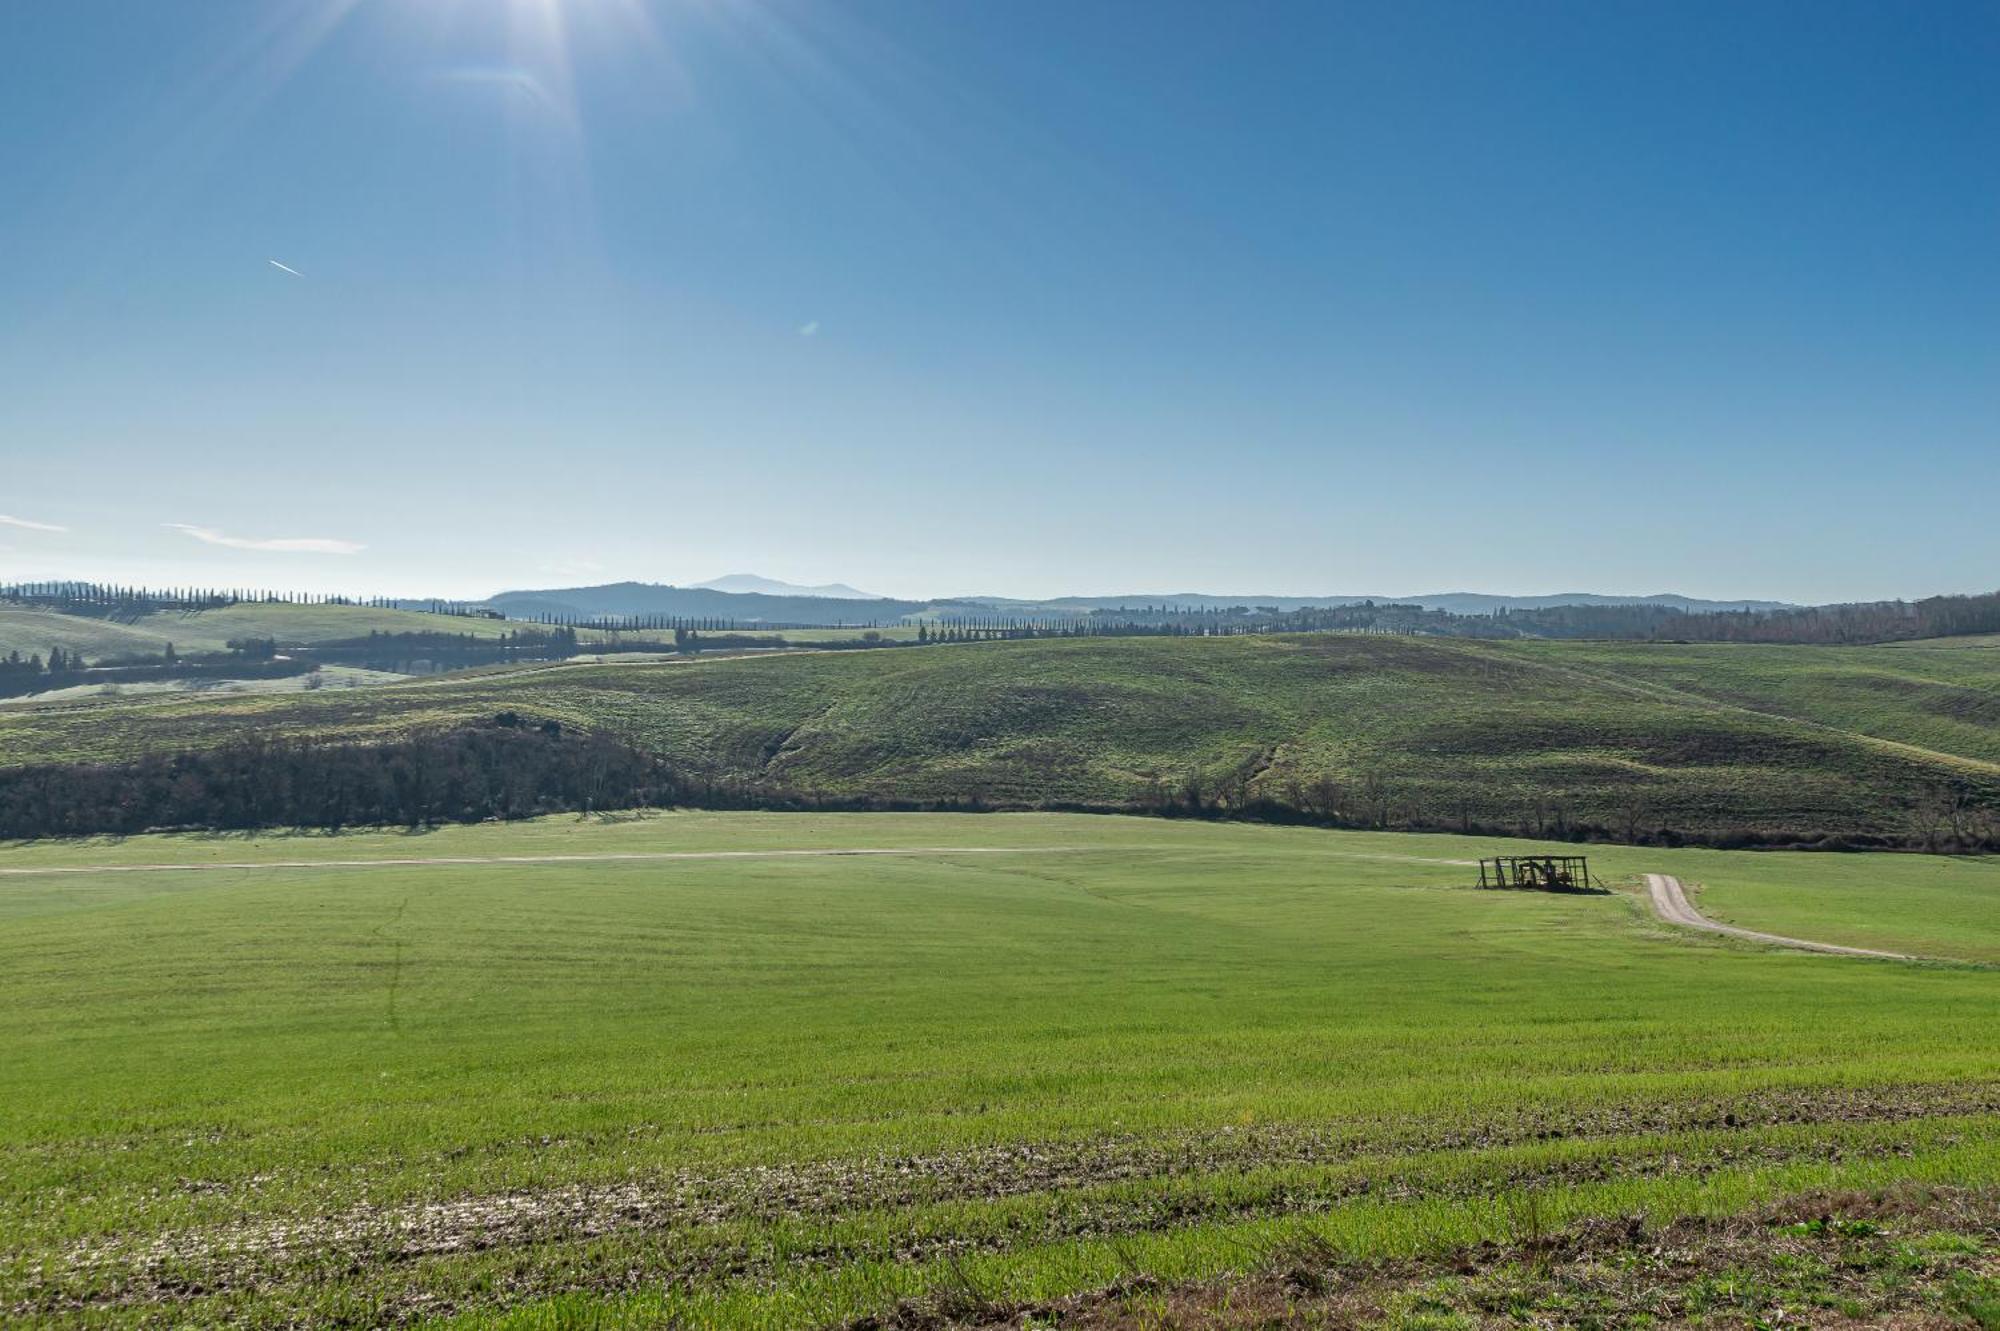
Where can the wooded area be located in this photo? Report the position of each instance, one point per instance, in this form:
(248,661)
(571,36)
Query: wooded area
(509,769)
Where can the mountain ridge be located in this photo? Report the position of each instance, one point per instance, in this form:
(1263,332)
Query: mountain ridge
(815,603)
(739,583)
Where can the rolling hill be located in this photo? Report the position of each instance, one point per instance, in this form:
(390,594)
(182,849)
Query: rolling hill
(751,582)
(748,598)
(620,600)
(32,632)
(1636,741)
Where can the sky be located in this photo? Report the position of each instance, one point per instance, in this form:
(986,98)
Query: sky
(1028,297)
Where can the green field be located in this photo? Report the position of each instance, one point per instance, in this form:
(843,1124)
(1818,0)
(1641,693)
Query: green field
(1941,701)
(1708,742)
(326,677)
(1932,905)
(1037,1054)
(887,632)
(33,632)
(1973,640)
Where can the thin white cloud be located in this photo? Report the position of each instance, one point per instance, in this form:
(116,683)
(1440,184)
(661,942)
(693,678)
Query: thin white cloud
(809,329)
(26,525)
(284,268)
(293,545)
(510,80)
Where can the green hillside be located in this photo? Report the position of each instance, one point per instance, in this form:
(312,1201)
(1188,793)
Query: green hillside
(32,632)
(35,632)
(1392,731)
(1942,699)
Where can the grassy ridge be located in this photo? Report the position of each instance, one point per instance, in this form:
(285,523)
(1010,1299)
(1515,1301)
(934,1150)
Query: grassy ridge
(1941,699)
(784,1090)
(1705,741)
(33,632)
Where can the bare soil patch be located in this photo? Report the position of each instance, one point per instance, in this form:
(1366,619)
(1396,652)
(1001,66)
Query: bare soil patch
(1386,1164)
(1910,1260)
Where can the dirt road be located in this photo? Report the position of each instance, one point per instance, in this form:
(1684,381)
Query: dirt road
(1670,901)
(610,857)
(629,857)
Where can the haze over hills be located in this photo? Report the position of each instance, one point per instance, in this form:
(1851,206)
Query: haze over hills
(625,600)
(751,582)
(750,598)
(1464,603)
(1479,603)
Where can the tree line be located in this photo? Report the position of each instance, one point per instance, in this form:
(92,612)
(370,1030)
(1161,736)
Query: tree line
(1827,625)
(25,675)
(510,768)
(105,598)
(1866,622)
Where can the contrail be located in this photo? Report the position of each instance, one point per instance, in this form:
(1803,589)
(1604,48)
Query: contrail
(284,268)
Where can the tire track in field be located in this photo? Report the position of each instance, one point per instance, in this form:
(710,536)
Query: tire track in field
(585,857)
(381,931)
(1671,904)
(650,856)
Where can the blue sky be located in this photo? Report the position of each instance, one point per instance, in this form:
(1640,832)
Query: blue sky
(1022,298)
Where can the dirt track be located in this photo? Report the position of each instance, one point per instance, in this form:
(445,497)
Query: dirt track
(1670,900)
(631,857)
(609,857)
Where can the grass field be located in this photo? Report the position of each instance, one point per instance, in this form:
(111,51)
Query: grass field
(1974,640)
(1038,1054)
(326,677)
(1941,700)
(1784,742)
(888,632)
(1934,905)
(32,632)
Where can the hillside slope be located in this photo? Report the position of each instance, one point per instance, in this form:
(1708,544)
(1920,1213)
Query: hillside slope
(1942,699)
(1635,740)
(32,632)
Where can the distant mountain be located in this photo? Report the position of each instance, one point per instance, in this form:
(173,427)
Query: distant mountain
(841,605)
(750,582)
(626,600)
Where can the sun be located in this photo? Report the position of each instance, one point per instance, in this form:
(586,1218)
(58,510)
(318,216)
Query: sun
(542,36)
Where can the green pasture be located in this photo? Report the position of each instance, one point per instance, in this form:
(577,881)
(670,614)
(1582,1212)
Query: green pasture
(1974,640)
(33,632)
(1033,1054)
(1939,700)
(1928,905)
(886,632)
(326,677)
